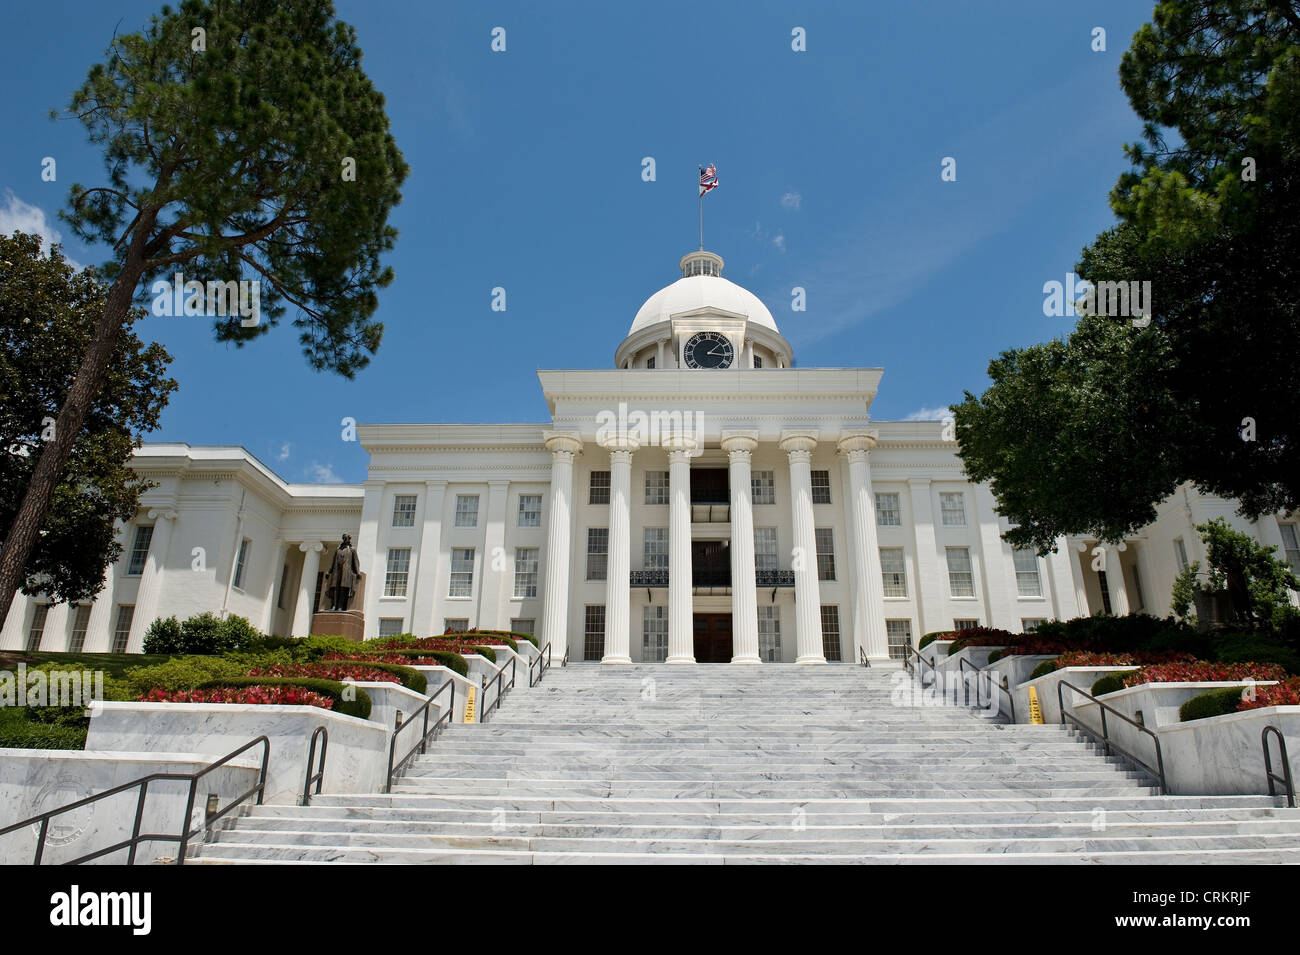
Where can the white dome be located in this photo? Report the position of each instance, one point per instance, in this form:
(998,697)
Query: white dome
(699,291)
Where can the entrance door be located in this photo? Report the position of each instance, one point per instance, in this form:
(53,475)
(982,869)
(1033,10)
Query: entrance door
(713,638)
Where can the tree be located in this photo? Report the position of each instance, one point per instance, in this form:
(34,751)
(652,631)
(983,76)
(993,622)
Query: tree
(242,142)
(1259,584)
(1208,391)
(48,313)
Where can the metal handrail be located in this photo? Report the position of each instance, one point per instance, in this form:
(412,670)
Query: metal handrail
(393,769)
(496,702)
(1158,770)
(1285,778)
(910,652)
(542,662)
(319,777)
(183,839)
(1004,686)
(863,659)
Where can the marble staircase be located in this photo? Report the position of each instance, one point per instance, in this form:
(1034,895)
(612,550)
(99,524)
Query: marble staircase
(765,764)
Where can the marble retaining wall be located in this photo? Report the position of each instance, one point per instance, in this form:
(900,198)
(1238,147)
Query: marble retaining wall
(1082,677)
(1222,755)
(36,780)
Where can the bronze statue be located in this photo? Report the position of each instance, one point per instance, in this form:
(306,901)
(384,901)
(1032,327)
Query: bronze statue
(341,583)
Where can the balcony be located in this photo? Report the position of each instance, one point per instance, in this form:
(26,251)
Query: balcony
(712,580)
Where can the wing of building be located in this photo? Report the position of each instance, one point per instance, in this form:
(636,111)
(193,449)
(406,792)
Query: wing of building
(701,501)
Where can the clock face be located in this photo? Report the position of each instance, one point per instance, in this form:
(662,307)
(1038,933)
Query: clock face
(709,350)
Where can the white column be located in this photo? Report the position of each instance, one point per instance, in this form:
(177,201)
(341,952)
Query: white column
(374,560)
(424,602)
(278,551)
(807,591)
(302,608)
(740,446)
(618,571)
(999,568)
(681,630)
(868,585)
(490,603)
(14,634)
(659,360)
(55,636)
(1118,590)
(99,639)
(1064,595)
(931,577)
(146,600)
(555,600)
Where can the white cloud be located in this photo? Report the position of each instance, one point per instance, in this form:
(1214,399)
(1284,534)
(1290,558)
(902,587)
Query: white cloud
(19,216)
(283,453)
(323,474)
(929,414)
(792,201)
(778,240)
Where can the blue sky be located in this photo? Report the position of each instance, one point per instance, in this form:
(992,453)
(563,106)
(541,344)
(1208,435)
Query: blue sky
(526,173)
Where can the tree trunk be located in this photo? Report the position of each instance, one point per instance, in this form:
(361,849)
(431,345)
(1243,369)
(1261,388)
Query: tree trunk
(92,371)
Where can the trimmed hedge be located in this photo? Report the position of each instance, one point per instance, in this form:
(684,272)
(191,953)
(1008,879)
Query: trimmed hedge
(359,707)
(1210,703)
(19,731)
(1044,668)
(934,635)
(1111,682)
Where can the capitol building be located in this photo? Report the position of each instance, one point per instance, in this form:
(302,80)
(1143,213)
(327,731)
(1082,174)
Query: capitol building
(703,500)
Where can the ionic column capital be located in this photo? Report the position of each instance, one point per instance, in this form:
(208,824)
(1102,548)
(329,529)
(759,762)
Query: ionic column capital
(311,546)
(562,442)
(739,442)
(620,444)
(161,514)
(855,445)
(798,442)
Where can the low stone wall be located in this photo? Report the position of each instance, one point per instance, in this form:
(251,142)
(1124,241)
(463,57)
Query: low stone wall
(1222,755)
(1012,671)
(935,651)
(438,675)
(1046,686)
(37,780)
(358,749)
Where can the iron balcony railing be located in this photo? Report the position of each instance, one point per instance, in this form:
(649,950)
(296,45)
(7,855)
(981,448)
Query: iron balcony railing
(712,578)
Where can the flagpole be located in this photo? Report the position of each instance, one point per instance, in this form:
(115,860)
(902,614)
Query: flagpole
(701,201)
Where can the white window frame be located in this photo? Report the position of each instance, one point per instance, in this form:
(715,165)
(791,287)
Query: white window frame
(762,487)
(466,510)
(526,562)
(397,571)
(1029,580)
(530,510)
(888,514)
(893,571)
(404,506)
(955,574)
(952,508)
(461,582)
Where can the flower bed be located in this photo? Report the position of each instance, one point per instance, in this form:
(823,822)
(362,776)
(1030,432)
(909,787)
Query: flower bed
(452,640)
(434,658)
(980,637)
(1200,671)
(1087,658)
(260,695)
(361,671)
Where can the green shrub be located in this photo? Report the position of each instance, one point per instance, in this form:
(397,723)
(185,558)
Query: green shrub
(452,661)
(487,653)
(934,635)
(411,679)
(54,715)
(995,656)
(204,633)
(1044,668)
(1110,682)
(164,636)
(19,731)
(183,673)
(358,706)
(1210,703)
(1254,648)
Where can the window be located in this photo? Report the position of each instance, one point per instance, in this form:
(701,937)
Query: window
(241,563)
(122,632)
(1031,623)
(825,537)
(654,634)
(530,510)
(831,634)
(656,487)
(656,548)
(1137,587)
(769,634)
(1105,591)
(953,508)
(1289,546)
(523,625)
(1028,582)
(462,572)
(650,362)
(887,513)
(139,550)
(961,578)
(404,510)
(597,552)
(894,571)
(390,626)
(821,487)
(284,582)
(965,623)
(899,635)
(37,631)
(526,571)
(593,632)
(455,624)
(399,565)
(598,489)
(467,510)
(80,623)
(758,361)
(765,548)
(763,487)
(1180,553)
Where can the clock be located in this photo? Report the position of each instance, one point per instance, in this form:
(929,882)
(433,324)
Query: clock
(708,350)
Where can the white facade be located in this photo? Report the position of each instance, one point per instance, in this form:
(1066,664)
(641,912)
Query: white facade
(750,512)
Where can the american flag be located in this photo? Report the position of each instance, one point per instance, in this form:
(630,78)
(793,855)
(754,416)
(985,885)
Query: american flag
(708,178)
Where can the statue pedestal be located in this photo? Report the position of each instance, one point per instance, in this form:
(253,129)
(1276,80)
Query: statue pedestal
(348,623)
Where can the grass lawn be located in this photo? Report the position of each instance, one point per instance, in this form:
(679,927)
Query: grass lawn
(19,731)
(113,664)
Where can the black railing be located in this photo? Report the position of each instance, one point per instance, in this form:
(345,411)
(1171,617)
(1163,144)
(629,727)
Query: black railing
(542,663)
(1273,778)
(182,839)
(862,658)
(649,578)
(963,664)
(502,689)
(1107,744)
(711,577)
(774,578)
(419,747)
(916,670)
(319,776)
